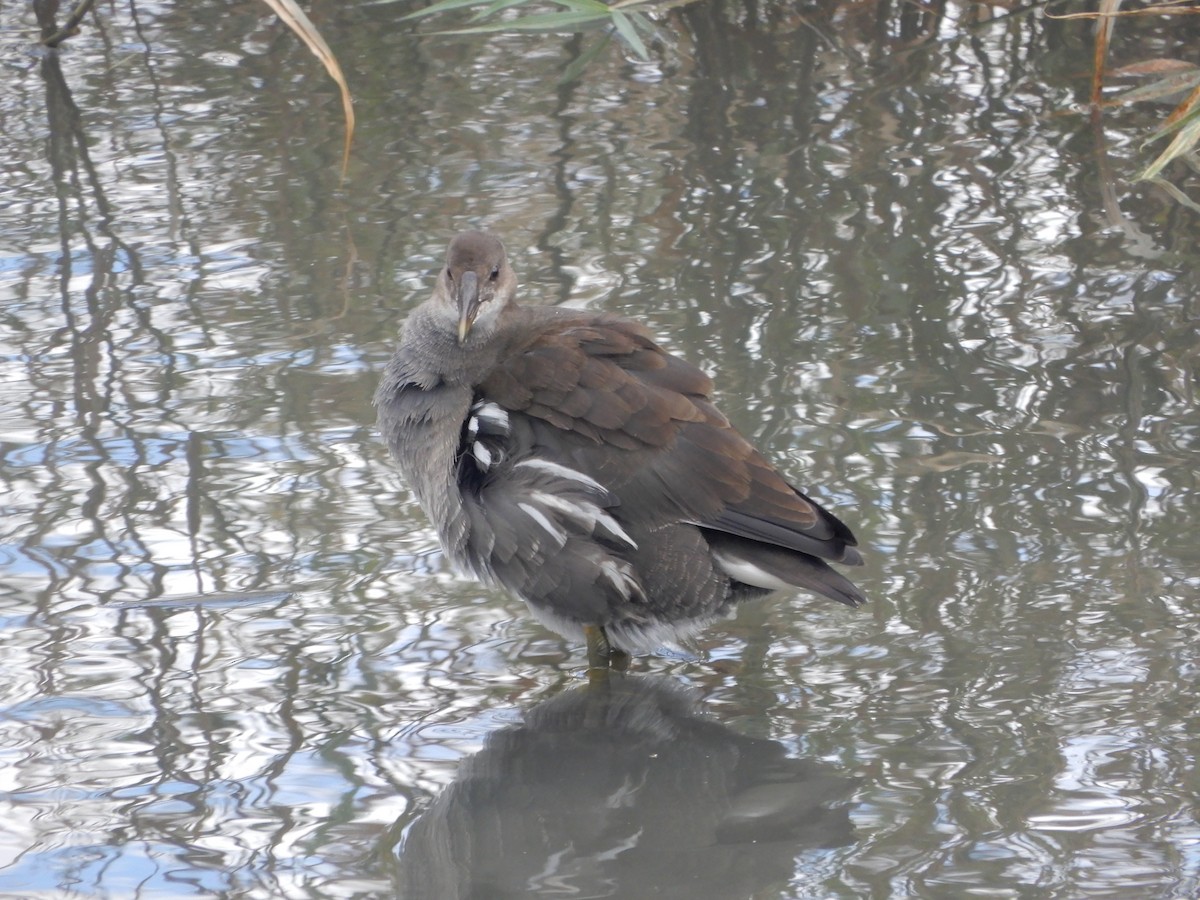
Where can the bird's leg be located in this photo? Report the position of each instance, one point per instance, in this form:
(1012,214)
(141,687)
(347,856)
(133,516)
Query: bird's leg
(602,655)
(598,648)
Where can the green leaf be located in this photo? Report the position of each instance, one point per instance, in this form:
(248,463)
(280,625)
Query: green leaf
(1179,196)
(563,21)
(1180,116)
(593,6)
(581,62)
(441,7)
(1164,87)
(495,7)
(1185,142)
(643,24)
(629,33)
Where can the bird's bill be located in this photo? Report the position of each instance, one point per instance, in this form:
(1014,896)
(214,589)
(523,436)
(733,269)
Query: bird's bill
(468,303)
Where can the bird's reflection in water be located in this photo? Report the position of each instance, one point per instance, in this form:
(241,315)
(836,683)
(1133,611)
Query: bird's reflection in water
(622,789)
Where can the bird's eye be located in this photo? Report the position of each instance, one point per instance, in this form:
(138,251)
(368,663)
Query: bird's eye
(495,273)
(448,275)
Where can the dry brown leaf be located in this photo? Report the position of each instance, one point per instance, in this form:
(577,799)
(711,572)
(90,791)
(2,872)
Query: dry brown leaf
(1154,67)
(294,18)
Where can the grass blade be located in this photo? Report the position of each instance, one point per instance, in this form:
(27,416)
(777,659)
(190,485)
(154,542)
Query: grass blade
(294,18)
(629,33)
(495,7)
(443,6)
(580,6)
(1156,90)
(563,21)
(575,69)
(1185,142)
(1176,194)
(1189,105)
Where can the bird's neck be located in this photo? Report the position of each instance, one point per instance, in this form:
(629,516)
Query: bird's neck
(433,355)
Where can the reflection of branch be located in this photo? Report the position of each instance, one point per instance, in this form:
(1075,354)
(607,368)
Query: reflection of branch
(71,26)
(1138,243)
(69,154)
(1169,8)
(87,236)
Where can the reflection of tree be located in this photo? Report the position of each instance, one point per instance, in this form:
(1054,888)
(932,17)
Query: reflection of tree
(132,438)
(890,256)
(89,247)
(622,789)
(52,34)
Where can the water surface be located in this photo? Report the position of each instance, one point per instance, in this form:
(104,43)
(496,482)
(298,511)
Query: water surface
(234,660)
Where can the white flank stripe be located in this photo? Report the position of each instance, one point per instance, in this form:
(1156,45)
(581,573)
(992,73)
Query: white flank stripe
(615,531)
(584,513)
(553,468)
(556,534)
(588,514)
(619,577)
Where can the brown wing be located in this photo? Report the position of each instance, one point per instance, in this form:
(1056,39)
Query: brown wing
(584,386)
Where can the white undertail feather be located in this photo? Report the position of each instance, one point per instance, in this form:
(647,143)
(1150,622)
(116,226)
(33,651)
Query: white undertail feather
(748,573)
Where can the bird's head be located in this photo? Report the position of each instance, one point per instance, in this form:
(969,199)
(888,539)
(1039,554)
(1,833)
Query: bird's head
(476,284)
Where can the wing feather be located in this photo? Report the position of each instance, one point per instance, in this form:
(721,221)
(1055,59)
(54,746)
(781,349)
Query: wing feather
(589,383)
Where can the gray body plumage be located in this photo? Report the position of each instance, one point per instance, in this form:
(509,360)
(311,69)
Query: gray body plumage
(566,456)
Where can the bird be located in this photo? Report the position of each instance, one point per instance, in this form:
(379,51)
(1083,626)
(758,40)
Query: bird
(566,456)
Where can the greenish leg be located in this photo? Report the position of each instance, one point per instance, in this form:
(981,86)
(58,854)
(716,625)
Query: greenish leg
(602,655)
(598,649)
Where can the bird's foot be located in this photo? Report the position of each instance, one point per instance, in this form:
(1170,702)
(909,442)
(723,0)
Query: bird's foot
(602,655)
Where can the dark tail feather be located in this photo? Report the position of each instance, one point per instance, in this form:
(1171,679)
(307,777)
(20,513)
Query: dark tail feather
(776,568)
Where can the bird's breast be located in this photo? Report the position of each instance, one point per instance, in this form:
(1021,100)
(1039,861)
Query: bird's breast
(423,428)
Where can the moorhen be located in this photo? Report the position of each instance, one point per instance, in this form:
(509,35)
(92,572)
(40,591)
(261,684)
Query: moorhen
(565,455)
